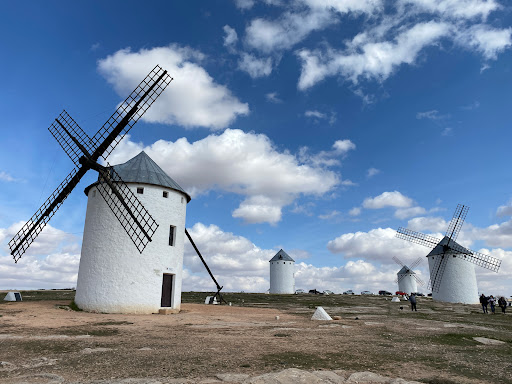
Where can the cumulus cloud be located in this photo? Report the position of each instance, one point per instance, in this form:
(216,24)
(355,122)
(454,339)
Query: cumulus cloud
(330,158)
(316,114)
(388,199)
(486,40)
(356,211)
(193,99)
(244,4)
(504,210)
(247,164)
(255,67)
(331,215)
(459,9)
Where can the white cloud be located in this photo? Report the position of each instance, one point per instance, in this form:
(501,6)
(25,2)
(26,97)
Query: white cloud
(430,224)
(331,215)
(372,172)
(273,98)
(328,158)
(230,37)
(4,176)
(388,199)
(460,9)
(431,115)
(404,213)
(291,28)
(316,114)
(371,60)
(448,131)
(486,40)
(356,211)
(193,99)
(504,210)
(244,4)
(254,66)
(247,164)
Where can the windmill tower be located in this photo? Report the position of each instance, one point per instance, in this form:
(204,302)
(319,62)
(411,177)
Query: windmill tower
(113,277)
(406,278)
(452,272)
(85,152)
(282,273)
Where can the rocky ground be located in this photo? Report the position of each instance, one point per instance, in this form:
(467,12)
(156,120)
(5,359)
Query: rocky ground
(260,339)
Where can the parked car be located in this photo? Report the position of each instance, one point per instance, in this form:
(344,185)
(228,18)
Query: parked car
(366,293)
(400,293)
(327,292)
(299,291)
(315,292)
(386,293)
(429,295)
(349,292)
(419,294)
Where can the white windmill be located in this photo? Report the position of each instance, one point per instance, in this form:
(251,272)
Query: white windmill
(406,278)
(282,273)
(113,276)
(452,272)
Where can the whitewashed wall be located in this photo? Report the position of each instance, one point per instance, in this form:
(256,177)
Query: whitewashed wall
(458,283)
(113,276)
(282,278)
(407,283)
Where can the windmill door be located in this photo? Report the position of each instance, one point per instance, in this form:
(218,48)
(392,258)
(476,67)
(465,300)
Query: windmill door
(167,290)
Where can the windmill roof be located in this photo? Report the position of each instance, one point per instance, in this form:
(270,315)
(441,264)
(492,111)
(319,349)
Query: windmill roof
(438,249)
(142,169)
(405,270)
(281,255)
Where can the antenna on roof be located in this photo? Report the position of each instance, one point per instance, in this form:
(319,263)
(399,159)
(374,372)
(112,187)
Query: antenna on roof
(85,152)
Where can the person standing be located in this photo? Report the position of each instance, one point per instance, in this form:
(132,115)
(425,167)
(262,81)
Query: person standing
(412,299)
(492,303)
(484,301)
(502,302)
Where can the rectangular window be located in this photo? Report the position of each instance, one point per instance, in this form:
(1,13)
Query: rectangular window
(172,235)
(165,194)
(140,190)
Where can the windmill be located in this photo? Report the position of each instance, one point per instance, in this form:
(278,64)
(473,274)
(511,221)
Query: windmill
(85,152)
(406,278)
(452,273)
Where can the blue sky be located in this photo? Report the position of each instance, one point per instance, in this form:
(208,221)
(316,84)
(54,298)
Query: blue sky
(315,126)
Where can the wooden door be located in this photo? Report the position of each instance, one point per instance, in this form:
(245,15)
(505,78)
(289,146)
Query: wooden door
(167,291)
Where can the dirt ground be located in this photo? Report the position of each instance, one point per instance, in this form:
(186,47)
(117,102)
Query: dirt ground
(258,334)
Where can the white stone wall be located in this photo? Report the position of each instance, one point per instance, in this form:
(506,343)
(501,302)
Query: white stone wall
(282,276)
(113,276)
(458,282)
(407,283)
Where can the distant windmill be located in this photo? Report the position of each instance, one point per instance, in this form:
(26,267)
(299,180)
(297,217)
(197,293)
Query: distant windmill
(406,278)
(85,152)
(452,278)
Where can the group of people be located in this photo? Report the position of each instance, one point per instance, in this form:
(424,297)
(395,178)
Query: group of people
(490,300)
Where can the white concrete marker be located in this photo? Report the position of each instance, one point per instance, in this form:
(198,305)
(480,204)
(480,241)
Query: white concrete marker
(320,314)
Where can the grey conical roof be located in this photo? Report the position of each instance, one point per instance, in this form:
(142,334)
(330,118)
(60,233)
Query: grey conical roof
(405,270)
(142,169)
(438,250)
(281,256)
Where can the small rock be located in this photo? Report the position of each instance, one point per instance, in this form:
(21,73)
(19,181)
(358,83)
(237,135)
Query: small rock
(6,366)
(487,341)
(93,350)
(330,377)
(367,377)
(232,377)
(336,317)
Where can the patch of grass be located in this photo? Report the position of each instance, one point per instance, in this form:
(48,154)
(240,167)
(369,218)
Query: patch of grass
(455,339)
(437,380)
(245,366)
(74,307)
(282,335)
(113,323)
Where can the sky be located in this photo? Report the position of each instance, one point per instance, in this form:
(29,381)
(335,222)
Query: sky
(315,126)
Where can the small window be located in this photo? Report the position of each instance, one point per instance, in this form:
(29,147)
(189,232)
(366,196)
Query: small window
(140,190)
(94,193)
(172,235)
(181,199)
(165,194)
